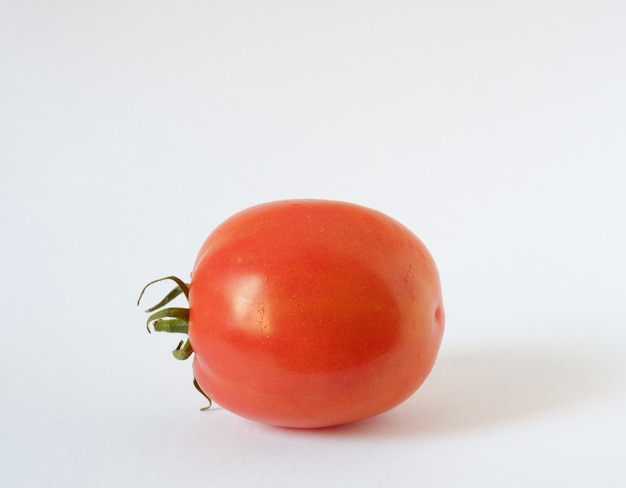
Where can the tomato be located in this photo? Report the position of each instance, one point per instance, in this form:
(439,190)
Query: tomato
(312,313)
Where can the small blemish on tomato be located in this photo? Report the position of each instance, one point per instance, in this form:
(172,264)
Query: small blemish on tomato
(439,316)
(260,315)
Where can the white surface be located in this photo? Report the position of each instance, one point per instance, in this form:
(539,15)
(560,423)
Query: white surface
(494,130)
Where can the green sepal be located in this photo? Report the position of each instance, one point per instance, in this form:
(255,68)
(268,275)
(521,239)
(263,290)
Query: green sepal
(195,383)
(184,288)
(171,325)
(181,314)
(168,298)
(173,319)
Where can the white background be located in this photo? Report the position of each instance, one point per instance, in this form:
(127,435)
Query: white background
(494,130)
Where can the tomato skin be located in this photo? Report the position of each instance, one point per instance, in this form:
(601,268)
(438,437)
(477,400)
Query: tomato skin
(312,313)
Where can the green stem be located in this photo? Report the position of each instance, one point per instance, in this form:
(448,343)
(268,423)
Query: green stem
(183,350)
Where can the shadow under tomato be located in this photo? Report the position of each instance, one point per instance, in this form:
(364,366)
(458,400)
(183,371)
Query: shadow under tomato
(478,388)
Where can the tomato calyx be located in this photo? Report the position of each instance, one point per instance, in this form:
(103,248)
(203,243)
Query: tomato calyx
(171,319)
(174,320)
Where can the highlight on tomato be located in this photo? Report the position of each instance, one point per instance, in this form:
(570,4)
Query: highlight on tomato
(307,313)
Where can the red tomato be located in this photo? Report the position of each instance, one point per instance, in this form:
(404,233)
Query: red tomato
(312,313)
